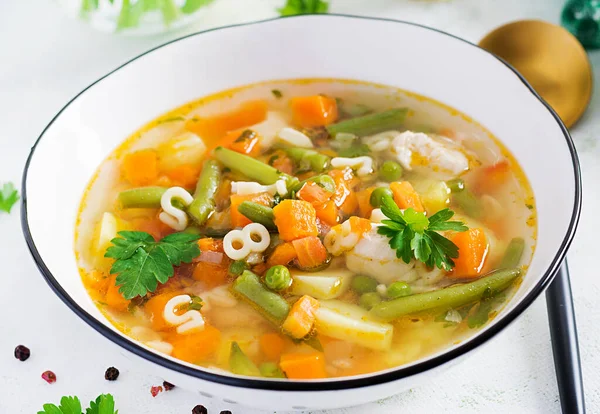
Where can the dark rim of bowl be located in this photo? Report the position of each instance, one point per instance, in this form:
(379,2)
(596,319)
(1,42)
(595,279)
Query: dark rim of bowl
(329,385)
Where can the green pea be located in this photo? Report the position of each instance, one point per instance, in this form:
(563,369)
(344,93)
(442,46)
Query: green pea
(368,300)
(278,278)
(378,194)
(237,268)
(456,185)
(390,171)
(398,290)
(363,284)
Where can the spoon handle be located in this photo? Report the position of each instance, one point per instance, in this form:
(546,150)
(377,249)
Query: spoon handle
(565,347)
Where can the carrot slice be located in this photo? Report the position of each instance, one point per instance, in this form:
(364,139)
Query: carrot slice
(248,142)
(406,196)
(155,309)
(185,176)
(237,218)
(271,345)
(211,273)
(490,179)
(363,198)
(213,128)
(311,252)
(345,199)
(328,213)
(313,111)
(314,194)
(198,346)
(282,162)
(472,252)
(303,366)
(113,298)
(301,318)
(282,255)
(295,219)
(141,167)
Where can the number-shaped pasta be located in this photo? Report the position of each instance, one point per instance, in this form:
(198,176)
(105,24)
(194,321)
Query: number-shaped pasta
(192,319)
(172,216)
(238,244)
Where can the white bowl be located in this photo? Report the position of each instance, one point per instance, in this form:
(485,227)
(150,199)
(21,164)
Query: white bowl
(398,54)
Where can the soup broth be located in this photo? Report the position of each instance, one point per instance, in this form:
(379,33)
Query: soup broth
(305,229)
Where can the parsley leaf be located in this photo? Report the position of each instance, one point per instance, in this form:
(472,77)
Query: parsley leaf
(141,263)
(8,197)
(415,236)
(104,404)
(293,7)
(195,304)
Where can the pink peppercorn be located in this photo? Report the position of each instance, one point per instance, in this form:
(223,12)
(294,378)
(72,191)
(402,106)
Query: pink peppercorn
(49,377)
(155,390)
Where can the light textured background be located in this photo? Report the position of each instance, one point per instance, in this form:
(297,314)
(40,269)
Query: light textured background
(46,58)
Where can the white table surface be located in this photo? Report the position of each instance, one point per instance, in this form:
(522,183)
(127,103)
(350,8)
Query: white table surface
(47,58)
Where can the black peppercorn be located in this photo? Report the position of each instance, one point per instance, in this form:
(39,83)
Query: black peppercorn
(111,374)
(199,409)
(22,353)
(226,412)
(168,386)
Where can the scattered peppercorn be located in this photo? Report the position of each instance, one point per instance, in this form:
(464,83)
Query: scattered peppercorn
(155,390)
(226,412)
(22,353)
(49,377)
(111,374)
(199,409)
(168,386)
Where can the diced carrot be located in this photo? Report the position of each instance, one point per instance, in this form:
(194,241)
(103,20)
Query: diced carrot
(282,255)
(448,133)
(472,252)
(406,196)
(314,194)
(197,346)
(272,345)
(237,218)
(260,268)
(301,318)
(155,309)
(141,167)
(359,225)
(213,128)
(313,111)
(345,199)
(303,366)
(248,142)
(295,219)
(490,179)
(152,225)
(364,202)
(185,175)
(328,213)
(212,274)
(282,162)
(113,298)
(311,252)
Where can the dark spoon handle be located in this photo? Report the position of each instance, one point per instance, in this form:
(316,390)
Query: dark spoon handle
(565,348)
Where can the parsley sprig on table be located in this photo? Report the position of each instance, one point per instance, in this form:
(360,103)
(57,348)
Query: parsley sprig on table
(8,197)
(293,7)
(414,236)
(141,262)
(104,404)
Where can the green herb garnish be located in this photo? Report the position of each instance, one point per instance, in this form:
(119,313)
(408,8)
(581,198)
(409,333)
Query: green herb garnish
(276,93)
(195,303)
(414,236)
(8,197)
(104,404)
(293,7)
(141,262)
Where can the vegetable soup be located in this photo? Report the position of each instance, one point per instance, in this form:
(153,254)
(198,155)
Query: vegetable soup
(306,229)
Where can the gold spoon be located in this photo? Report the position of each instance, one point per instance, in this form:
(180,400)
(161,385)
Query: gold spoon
(551,59)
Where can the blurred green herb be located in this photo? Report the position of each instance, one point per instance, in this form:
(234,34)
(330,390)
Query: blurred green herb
(104,404)
(8,197)
(293,7)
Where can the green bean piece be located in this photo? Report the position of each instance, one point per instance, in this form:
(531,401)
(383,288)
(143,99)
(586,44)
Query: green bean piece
(513,253)
(271,305)
(143,197)
(308,159)
(324,181)
(468,202)
(456,185)
(204,196)
(390,171)
(253,169)
(278,278)
(258,213)
(237,267)
(370,124)
(448,298)
(378,194)
(343,140)
(240,364)
(270,370)
(352,110)
(398,290)
(368,300)
(363,284)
